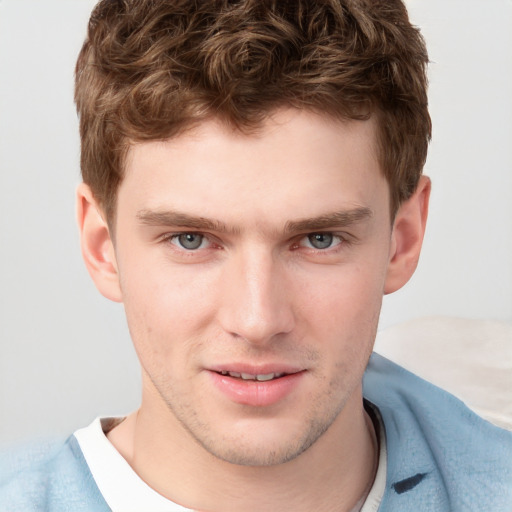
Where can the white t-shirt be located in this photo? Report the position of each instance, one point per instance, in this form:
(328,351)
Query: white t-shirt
(125,491)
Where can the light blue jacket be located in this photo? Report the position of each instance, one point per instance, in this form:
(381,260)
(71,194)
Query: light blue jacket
(441,457)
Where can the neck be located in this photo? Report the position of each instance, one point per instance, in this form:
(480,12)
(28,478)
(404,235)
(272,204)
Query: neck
(333,474)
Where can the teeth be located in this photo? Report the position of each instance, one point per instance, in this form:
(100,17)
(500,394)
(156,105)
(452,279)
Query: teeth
(268,376)
(249,376)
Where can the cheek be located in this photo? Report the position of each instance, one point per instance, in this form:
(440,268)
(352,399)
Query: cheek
(161,293)
(342,312)
(352,292)
(167,311)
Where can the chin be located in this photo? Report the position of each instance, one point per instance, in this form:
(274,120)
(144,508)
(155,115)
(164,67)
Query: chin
(267,444)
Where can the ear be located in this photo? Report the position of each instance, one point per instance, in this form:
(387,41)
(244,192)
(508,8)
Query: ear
(407,237)
(97,245)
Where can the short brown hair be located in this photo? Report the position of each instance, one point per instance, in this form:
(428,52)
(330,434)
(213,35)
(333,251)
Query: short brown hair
(150,69)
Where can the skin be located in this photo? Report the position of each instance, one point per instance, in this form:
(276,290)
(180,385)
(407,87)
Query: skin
(266,250)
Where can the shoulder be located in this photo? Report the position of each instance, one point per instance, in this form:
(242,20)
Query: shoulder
(440,453)
(50,476)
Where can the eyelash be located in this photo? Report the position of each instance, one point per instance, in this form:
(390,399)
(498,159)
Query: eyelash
(170,237)
(344,241)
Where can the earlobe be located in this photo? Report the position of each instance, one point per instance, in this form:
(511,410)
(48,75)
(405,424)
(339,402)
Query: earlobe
(97,245)
(407,237)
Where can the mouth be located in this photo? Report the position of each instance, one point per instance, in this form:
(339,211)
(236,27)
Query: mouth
(259,388)
(260,377)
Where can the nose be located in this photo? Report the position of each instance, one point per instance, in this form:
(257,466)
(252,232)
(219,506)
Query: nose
(256,303)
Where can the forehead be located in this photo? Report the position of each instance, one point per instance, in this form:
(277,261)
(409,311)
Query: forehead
(296,163)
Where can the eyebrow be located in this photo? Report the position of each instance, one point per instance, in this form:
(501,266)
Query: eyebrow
(182,220)
(339,219)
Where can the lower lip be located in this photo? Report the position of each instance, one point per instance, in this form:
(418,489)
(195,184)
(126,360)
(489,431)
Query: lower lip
(256,393)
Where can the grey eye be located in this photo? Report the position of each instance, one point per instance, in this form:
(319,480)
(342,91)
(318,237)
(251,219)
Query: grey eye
(190,241)
(320,240)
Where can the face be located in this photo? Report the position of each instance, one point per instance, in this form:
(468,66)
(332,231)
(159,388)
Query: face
(252,270)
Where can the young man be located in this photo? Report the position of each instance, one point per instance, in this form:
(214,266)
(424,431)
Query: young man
(252,188)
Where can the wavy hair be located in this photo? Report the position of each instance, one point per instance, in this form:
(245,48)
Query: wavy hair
(150,69)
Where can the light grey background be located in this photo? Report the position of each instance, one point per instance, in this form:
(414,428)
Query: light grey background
(65,353)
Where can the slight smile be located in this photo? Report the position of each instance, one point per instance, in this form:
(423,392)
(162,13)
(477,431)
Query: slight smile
(256,387)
